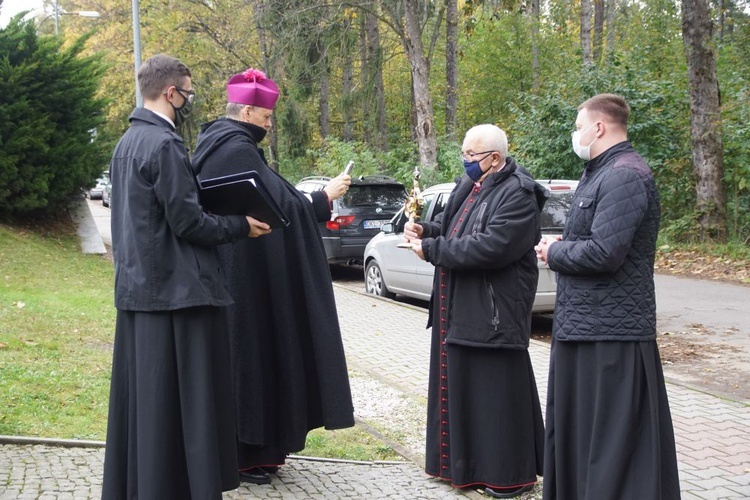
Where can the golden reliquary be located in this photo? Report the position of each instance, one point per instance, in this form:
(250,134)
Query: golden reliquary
(414,204)
(415,201)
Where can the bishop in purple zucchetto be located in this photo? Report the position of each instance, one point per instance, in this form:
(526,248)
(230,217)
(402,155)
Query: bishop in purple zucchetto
(252,88)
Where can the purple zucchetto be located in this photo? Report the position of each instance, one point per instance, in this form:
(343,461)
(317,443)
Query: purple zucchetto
(252,88)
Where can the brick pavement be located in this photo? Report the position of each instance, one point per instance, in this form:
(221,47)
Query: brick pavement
(387,352)
(48,472)
(712,434)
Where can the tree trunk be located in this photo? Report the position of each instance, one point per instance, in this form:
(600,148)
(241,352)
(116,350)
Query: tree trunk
(586,31)
(451,68)
(273,138)
(705,119)
(611,8)
(420,72)
(535,45)
(376,58)
(598,29)
(324,106)
(364,81)
(372,71)
(347,86)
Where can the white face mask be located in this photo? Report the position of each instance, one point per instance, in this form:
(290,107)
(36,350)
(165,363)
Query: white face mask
(584,152)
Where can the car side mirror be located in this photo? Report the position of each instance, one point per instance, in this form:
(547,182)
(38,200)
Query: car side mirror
(387,228)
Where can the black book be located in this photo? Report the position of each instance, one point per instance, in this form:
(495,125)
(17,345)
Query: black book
(241,194)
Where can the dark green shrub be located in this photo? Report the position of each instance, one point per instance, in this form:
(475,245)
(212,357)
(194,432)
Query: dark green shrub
(49,114)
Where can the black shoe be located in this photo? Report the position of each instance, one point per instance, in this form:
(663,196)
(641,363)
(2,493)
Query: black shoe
(498,493)
(271,469)
(256,475)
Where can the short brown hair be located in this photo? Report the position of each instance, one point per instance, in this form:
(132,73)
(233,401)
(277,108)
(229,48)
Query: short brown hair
(612,105)
(158,72)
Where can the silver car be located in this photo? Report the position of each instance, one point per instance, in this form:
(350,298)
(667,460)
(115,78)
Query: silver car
(390,270)
(95,193)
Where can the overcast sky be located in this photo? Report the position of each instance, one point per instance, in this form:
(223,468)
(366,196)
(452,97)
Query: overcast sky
(12,7)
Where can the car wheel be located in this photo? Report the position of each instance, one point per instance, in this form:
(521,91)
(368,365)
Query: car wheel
(374,283)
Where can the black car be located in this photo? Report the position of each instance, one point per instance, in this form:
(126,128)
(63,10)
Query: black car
(356,217)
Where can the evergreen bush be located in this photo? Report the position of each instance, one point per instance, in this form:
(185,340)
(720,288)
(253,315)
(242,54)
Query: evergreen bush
(49,114)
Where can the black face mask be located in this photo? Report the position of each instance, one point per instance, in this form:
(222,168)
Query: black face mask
(181,113)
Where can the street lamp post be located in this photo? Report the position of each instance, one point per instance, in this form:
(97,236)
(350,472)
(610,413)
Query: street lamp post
(81,13)
(137,52)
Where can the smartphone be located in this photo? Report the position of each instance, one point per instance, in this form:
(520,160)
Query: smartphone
(348,168)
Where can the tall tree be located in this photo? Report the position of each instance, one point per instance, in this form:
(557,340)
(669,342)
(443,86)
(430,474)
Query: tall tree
(324,103)
(363,76)
(375,75)
(269,66)
(705,119)
(451,67)
(373,92)
(405,16)
(598,29)
(535,21)
(611,12)
(347,81)
(586,31)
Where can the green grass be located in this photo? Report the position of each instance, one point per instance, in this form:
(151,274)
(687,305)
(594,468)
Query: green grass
(56,330)
(353,444)
(57,322)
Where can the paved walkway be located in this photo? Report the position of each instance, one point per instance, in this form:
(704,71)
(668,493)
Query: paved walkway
(387,352)
(387,348)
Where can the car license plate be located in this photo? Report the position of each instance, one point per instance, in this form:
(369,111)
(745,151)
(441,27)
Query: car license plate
(373,224)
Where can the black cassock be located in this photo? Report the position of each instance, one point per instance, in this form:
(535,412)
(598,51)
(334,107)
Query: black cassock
(288,367)
(609,428)
(484,419)
(170,407)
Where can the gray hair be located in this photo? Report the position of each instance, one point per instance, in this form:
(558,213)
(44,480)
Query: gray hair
(234,109)
(491,137)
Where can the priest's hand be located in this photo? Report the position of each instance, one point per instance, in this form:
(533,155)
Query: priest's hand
(338,186)
(416,247)
(257,228)
(412,231)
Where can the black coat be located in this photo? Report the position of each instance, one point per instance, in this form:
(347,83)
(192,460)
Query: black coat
(162,240)
(289,370)
(605,263)
(490,263)
(484,420)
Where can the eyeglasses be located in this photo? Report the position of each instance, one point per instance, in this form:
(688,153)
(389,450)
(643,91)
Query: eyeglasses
(470,156)
(190,94)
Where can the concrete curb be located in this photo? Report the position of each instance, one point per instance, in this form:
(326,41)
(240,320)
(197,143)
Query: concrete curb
(91,240)
(63,443)
(80,443)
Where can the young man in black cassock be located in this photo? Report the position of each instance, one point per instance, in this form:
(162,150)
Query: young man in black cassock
(484,420)
(609,429)
(288,368)
(170,431)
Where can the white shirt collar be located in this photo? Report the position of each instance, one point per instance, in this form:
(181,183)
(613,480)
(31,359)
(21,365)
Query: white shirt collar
(165,117)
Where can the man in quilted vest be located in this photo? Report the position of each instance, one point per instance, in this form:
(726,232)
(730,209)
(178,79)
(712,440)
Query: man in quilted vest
(609,430)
